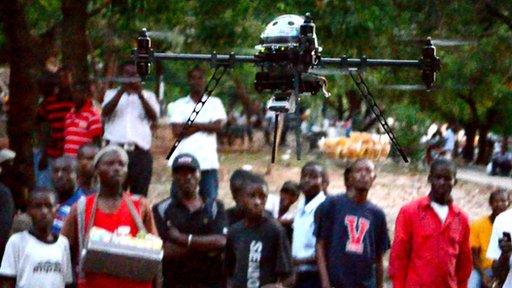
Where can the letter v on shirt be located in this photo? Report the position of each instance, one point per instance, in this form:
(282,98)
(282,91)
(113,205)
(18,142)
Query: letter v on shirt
(356,236)
(253,272)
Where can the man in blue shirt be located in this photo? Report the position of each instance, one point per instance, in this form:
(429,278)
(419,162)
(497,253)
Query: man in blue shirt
(351,233)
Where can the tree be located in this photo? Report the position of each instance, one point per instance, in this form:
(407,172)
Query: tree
(24,66)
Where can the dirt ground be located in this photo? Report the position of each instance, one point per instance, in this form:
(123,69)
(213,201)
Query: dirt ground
(396,184)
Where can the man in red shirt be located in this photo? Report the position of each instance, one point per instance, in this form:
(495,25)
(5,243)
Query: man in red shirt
(82,124)
(431,245)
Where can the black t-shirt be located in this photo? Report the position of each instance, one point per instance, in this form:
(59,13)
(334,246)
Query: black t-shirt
(6,215)
(234,215)
(197,267)
(354,234)
(257,256)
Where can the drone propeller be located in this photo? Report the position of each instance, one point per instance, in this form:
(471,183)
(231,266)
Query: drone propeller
(404,87)
(443,42)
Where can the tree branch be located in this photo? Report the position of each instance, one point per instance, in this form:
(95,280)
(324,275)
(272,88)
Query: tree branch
(496,13)
(98,9)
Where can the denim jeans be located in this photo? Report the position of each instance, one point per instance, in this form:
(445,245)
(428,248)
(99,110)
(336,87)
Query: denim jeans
(475,280)
(209,184)
(43,177)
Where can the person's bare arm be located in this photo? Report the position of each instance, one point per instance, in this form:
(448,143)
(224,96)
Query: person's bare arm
(322,263)
(501,267)
(379,270)
(197,242)
(111,106)
(173,251)
(211,127)
(70,230)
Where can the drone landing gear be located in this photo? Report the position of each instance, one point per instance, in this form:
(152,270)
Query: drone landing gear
(372,105)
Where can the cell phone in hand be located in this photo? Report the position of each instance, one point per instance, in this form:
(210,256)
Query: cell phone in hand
(506,235)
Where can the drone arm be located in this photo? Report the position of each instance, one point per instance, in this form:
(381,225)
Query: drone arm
(214,58)
(429,63)
(348,63)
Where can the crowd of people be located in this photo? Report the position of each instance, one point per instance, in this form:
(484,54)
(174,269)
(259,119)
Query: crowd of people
(94,171)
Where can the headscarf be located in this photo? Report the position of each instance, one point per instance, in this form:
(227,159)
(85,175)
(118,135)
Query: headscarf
(108,149)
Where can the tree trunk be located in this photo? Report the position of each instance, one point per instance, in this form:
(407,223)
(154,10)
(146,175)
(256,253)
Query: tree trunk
(22,98)
(340,109)
(484,148)
(468,152)
(74,38)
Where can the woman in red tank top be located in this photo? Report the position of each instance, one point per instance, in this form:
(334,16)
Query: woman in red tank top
(110,212)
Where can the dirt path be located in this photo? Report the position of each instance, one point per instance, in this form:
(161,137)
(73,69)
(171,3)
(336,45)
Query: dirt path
(479,176)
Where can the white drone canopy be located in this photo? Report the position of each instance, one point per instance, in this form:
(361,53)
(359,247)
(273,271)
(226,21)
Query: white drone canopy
(282,31)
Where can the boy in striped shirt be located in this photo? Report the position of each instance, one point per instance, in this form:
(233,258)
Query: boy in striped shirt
(82,124)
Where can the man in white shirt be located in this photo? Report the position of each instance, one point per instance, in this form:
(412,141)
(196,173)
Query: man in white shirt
(128,113)
(500,248)
(449,141)
(304,241)
(201,137)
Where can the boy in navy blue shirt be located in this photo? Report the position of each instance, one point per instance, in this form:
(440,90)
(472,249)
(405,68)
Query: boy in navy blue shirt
(351,233)
(257,249)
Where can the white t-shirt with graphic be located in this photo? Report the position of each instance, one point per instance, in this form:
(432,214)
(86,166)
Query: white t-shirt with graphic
(36,264)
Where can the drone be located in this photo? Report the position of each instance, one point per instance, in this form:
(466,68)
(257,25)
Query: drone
(287,52)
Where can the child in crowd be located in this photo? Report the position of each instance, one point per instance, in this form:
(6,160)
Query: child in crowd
(236,182)
(288,196)
(257,251)
(281,206)
(36,257)
(303,244)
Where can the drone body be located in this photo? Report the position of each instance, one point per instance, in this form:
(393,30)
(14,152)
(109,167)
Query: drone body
(287,51)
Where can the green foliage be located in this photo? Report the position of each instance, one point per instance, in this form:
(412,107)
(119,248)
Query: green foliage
(477,74)
(410,124)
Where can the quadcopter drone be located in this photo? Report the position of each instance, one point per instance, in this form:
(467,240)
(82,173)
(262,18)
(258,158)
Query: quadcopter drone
(287,52)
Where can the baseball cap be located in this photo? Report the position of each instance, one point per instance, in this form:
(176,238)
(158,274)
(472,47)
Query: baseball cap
(185,160)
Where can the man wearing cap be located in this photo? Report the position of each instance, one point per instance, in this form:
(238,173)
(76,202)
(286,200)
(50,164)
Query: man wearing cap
(6,201)
(193,229)
(128,113)
(200,139)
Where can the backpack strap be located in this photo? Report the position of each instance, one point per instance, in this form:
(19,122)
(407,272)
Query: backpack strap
(80,218)
(134,213)
(83,232)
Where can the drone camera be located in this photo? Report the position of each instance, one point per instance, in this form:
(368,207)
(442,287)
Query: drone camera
(142,54)
(282,102)
(431,64)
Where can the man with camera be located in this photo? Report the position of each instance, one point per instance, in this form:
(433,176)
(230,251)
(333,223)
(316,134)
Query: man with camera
(128,113)
(500,248)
